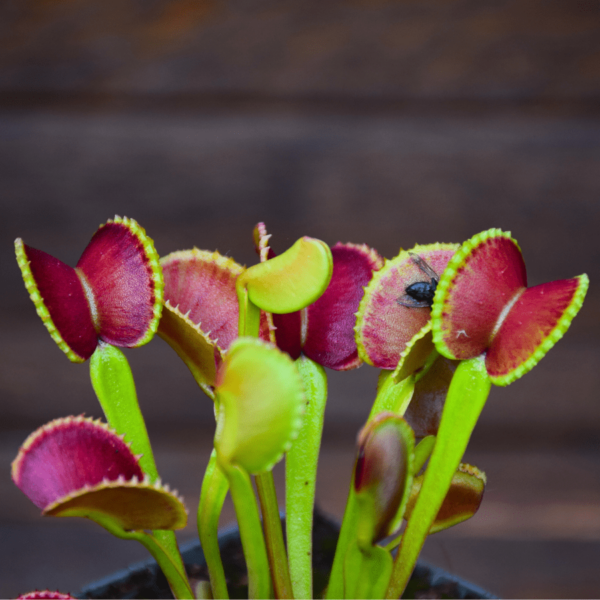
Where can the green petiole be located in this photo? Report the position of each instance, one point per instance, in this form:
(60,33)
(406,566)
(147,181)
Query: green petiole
(274,535)
(214,490)
(466,397)
(300,478)
(253,541)
(113,383)
(177,579)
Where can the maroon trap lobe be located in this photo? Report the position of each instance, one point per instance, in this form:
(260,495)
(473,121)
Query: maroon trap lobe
(492,276)
(45,595)
(330,339)
(64,297)
(118,271)
(69,454)
(201,285)
(288,330)
(529,321)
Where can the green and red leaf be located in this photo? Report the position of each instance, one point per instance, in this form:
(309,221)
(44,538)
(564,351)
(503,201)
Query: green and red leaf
(80,467)
(462,500)
(383,475)
(200,285)
(69,454)
(113,294)
(483,305)
(384,326)
(121,268)
(535,322)
(260,405)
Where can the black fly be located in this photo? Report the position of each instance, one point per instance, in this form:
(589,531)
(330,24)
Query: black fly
(420,294)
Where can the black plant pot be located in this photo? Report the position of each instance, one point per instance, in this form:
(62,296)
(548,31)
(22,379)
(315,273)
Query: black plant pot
(145,579)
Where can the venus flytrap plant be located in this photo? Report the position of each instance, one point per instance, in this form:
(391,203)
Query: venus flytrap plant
(485,316)
(80,467)
(268,286)
(442,322)
(112,298)
(201,319)
(397,339)
(317,336)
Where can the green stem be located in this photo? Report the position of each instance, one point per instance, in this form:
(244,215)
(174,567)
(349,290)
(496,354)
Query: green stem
(301,475)
(253,541)
(274,535)
(393,397)
(177,581)
(249,320)
(113,383)
(466,397)
(214,490)
(335,588)
(367,571)
(179,585)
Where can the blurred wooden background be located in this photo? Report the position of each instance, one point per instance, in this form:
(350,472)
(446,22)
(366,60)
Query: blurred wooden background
(389,122)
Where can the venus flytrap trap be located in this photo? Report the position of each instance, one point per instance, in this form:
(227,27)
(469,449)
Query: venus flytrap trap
(79,467)
(382,480)
(442,322)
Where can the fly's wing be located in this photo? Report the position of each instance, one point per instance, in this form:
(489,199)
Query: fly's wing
(410,302)
(424,266)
